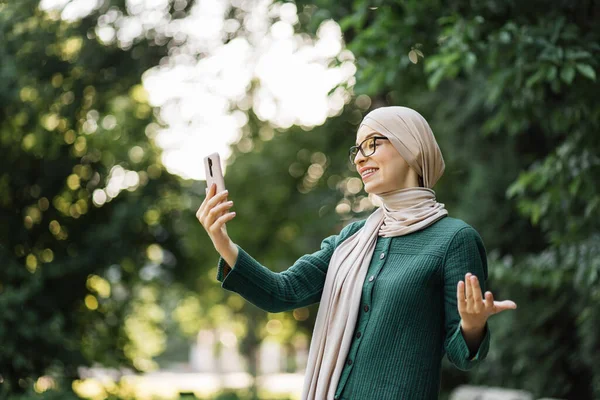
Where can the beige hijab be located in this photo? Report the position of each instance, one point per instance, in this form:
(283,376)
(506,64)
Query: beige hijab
(402,212)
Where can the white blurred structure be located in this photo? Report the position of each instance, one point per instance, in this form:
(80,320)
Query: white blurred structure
(270,357)
(467,392)
(262,65)
(254,61)
(202,358)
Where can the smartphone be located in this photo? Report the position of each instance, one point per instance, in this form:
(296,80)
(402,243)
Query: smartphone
(214,173)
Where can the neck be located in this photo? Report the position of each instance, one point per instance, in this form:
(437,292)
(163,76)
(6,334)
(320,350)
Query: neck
(411,180)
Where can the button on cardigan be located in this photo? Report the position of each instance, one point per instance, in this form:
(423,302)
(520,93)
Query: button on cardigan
(409,317)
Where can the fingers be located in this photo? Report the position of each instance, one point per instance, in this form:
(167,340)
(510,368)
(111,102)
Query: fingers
(217,198)
(489,300)
(222,220)
(212,189)
(460,296)
(470,298)
(214,213)
(476,291)
(210,192)
(218,210)
(474,307)
(468,288)
(211,200)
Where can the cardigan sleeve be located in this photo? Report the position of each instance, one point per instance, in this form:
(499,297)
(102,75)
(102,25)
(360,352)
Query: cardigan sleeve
(465,253)
(298,286)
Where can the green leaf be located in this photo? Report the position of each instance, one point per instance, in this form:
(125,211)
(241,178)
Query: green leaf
(435,79)
(576,54)
(470,61)
(587,71)
(535,78)
(535,212)
(551,75)
(574,186)
(591,207)
(432,63)
(567,73)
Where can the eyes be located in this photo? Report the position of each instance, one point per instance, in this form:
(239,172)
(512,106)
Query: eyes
(367,147)
(370,144)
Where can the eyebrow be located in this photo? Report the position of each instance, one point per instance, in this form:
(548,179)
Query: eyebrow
(368,136)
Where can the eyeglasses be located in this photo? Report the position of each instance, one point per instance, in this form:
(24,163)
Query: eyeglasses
(367,147)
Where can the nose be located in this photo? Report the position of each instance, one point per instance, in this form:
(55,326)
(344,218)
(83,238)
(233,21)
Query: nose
(359,158)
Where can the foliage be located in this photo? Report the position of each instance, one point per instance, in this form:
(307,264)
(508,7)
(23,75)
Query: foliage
(47,395)
(510,90)
(84,198)
(114,273)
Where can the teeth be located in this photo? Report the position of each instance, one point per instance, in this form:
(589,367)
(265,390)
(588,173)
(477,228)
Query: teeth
(368,171)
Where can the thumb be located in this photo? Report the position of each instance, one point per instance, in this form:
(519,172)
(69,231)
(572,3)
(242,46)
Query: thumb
(505,305)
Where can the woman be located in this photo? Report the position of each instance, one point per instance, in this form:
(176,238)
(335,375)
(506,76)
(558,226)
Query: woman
(392,296)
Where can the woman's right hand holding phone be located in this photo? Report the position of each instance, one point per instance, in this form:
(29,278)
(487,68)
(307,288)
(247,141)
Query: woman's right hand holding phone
(213,215)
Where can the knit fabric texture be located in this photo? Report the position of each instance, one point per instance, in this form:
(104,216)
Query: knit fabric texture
(409,317)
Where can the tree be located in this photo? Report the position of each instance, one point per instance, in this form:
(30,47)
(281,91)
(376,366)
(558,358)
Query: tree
(96,235)
(509,92)
(84,198)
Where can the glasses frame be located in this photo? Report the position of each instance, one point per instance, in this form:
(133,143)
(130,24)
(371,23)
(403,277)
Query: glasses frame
(356,149)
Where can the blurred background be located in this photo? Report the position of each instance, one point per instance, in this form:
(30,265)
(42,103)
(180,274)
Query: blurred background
(107,107)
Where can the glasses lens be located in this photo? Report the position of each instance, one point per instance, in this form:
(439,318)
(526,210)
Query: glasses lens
(352,153)
(368,147)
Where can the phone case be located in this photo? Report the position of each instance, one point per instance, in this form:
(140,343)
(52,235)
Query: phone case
(214,173)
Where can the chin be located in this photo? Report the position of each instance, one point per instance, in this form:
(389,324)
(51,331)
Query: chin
(371,189)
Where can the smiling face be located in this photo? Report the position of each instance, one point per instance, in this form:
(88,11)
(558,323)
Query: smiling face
(385,170)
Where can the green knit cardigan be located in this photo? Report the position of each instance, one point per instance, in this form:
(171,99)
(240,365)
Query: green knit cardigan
(408,315)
